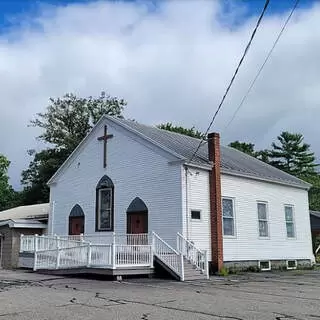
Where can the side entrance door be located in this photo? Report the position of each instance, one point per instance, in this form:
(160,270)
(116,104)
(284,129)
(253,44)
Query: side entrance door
(137,223)
(76,225)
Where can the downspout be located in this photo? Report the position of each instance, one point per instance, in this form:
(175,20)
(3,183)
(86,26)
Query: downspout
(186,204)
(52,217)
(1,248)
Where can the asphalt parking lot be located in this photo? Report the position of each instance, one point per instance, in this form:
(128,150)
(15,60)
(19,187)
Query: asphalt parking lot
(286,295)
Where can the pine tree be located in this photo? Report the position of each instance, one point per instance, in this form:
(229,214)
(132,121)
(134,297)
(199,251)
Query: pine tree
(293,155)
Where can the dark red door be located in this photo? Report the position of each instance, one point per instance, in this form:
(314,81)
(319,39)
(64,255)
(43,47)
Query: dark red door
(76,225)
(137,223)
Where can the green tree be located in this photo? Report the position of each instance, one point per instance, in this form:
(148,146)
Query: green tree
(7,194)
(293,155)
(314,192)
(65,123)
(192,132)
(245,147)
(68,120)
(248,148)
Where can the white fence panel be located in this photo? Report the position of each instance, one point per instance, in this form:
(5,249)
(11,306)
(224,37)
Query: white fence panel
(73,257)
(133,255)
(101,255)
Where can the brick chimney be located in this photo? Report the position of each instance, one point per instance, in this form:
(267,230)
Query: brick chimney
(215,203)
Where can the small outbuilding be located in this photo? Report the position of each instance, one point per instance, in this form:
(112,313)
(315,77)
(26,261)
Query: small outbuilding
(27,220)
(315,223)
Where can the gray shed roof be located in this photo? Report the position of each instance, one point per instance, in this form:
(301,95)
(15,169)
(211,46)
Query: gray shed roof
(35,211)
(315,213)
(232,161)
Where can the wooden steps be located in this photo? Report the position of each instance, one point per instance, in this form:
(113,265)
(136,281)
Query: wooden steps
(191,272)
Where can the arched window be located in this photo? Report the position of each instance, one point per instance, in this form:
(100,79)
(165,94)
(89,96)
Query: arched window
(105,205)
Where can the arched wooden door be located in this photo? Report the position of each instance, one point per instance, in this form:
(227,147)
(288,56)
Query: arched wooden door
(137,217)
(76,221)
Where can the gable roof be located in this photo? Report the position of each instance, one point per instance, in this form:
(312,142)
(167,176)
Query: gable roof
(233,161)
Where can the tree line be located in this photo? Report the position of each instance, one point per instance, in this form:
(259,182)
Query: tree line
(67,120)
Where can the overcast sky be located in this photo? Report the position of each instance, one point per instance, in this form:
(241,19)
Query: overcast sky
(171,61)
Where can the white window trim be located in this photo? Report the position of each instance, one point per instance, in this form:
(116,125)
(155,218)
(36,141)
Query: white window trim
(292,268)
(293,221)
(99,210)
(234,218)
(265,269)
(196,220)
(268,220)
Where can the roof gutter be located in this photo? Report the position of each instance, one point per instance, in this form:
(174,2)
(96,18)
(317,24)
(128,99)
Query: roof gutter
(17,224)
(306,187)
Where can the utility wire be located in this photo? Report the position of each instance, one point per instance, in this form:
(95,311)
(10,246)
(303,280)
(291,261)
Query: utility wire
(264,63)
(233,77)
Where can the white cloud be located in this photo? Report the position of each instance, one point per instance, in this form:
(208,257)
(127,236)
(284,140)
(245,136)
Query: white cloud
(171,63)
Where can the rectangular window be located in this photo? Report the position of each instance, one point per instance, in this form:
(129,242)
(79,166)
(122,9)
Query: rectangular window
(288,210)
(105,209)
(291,264)
(265,265)
(228,217)
(195,214)
(263,220)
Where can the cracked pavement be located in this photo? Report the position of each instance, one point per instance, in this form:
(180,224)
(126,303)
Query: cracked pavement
(291,295)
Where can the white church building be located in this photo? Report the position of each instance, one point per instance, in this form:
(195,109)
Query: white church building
(128,178)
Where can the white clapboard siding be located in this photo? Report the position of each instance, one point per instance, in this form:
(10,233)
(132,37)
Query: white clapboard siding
(136,169)
(247,245)
(197,231)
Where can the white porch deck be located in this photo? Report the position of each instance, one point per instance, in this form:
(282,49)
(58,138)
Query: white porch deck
(113,254)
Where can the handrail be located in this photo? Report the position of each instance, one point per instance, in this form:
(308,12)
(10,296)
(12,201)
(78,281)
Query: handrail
(318,249)
(187,241)
(166,243)
(54,250)
(168,255)
(195,255)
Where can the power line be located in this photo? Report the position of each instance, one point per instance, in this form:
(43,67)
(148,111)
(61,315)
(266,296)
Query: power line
(264,63)
(233,77)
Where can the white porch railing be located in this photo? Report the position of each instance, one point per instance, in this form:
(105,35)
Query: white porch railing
(133,255)
(44,242)
(52,252)
(108,238)
(169,256)
(196,256)
(100,255)
(61,258)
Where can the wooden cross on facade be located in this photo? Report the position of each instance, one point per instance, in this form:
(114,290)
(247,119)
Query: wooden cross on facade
(105,138)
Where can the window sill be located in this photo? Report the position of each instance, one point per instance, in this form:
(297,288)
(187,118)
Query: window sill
(264,238)
(229,237)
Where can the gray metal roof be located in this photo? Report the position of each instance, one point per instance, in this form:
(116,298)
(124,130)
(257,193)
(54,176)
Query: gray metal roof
(232,161)
(315,213)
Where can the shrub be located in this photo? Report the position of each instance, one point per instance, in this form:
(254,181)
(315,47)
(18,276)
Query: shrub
(223,272)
